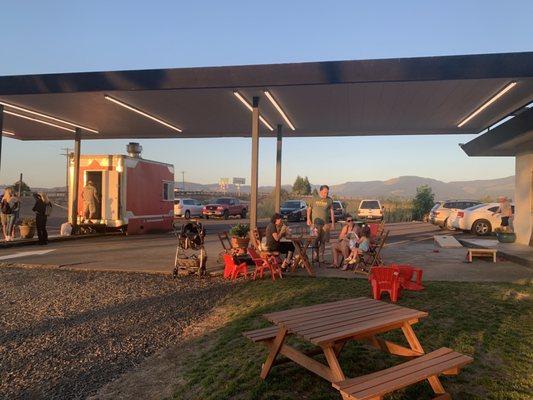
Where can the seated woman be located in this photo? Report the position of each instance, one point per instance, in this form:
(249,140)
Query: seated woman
(358,247)
(342,246)
(275,231)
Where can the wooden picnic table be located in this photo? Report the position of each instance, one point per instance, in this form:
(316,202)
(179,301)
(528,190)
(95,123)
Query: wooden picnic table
(330,325)
(301,244)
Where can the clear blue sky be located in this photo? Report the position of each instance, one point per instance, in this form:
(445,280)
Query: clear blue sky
(65,36)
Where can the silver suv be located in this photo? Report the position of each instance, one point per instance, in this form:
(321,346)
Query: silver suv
(441,210)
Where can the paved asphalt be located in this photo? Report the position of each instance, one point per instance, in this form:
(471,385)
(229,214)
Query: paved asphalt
(155,252)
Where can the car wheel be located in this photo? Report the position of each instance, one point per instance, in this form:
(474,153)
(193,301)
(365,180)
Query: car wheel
(243,214)
(444,224)
(226,214)
(187,214)
(482,227)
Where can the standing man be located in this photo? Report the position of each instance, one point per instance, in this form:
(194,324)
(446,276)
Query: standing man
(320,214)
(506,212)
(90,198)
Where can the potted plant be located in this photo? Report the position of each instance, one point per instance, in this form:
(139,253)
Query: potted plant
(239,236)
(27,228)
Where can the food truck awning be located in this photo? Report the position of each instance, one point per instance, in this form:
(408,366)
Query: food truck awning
(429,95)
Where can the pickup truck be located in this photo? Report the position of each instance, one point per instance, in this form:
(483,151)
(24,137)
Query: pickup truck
(225,207)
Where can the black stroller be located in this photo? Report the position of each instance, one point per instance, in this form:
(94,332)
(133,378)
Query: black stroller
(191,257)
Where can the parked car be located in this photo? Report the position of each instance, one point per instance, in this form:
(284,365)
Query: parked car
(441,211)
(339,210)
(480,219)
(294,210)
(187,208)
(370,209)
(225,207)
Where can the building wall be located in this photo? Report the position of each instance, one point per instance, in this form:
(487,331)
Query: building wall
(523,219)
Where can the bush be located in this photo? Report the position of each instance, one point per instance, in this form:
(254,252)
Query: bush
(240,230)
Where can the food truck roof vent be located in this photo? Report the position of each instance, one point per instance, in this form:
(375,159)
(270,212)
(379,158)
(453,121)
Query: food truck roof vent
(134,149)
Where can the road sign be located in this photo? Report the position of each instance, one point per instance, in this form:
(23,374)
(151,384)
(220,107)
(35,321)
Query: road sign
(223,183)
(239,181)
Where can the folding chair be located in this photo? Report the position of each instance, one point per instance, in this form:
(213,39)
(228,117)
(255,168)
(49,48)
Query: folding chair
(264,262)
(224,241)
(372,258)
(232,270)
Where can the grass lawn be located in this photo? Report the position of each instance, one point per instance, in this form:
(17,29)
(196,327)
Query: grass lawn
(491,322)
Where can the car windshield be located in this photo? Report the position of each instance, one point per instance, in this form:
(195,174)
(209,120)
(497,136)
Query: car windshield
(369,204)
(221,201)
(291,204)
(337,205)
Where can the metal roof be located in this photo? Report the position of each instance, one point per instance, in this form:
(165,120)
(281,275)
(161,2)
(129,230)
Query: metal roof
(428,95)
(509,139)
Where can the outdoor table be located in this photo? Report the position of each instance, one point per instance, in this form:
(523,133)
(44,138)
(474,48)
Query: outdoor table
(330,325)
(301,244)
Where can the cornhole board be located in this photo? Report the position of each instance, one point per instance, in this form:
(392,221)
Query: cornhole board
(481,253)
(446,241)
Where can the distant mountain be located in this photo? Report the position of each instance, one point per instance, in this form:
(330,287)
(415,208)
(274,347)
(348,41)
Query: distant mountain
(403,186)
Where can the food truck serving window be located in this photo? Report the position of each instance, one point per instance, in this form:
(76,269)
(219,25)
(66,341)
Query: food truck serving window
(168,191)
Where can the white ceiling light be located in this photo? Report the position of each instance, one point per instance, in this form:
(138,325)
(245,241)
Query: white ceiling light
(249,107)
(488,103)
(144,114)
(4,132)
(280,110)
(38,120)
(47,116)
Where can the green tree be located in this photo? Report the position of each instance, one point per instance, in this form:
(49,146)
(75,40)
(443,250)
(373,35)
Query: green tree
(25,187)
(423,201)
(315,192)
(301,186)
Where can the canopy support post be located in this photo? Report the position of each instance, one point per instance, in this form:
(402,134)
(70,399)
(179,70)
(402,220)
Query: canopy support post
(277,190)
(75,178)
(255,163)
(1,130)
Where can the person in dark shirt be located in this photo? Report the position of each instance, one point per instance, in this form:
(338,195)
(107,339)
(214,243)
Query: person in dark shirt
(274,234)
(41,207)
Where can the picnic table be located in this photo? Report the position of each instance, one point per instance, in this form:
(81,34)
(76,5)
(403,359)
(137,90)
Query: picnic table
(301,245)
(329,326)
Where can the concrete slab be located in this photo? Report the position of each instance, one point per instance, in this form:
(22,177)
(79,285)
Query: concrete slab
(515,252)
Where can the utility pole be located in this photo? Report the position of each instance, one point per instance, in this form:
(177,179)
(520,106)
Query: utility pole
(183,180)
(66,153)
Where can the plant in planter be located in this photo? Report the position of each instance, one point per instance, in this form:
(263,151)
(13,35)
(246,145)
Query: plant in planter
(239,236)
(27,228)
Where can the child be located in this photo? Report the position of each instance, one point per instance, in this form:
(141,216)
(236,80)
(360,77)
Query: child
(358,246)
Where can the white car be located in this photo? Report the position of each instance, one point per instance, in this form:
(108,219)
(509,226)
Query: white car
(480,220)
(187,208)
(370,209)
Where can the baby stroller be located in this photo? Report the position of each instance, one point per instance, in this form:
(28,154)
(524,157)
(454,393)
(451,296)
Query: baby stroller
(191,257)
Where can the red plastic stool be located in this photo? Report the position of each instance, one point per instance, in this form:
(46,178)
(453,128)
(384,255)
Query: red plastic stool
(385,279)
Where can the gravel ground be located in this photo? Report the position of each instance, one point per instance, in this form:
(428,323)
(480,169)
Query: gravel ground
(64,334)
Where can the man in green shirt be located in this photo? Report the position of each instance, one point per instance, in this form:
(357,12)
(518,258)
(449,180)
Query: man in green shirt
(320,214)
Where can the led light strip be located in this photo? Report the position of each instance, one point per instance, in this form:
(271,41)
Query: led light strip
(280,110)
(488,103)
(39,120)
(249,107)
(47,116)
(144,114)
(4,132)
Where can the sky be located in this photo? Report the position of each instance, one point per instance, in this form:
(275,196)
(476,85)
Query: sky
(69,36)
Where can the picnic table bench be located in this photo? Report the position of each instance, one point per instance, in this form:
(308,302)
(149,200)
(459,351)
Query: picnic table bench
(329,326)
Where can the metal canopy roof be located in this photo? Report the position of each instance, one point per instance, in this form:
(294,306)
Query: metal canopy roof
(509,139)
(429,95)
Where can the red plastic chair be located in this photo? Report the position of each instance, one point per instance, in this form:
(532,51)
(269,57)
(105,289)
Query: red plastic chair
(232,270)
(262,263)
(384,279)
(406,277)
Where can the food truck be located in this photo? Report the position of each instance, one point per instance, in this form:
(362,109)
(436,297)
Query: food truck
(133,194)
